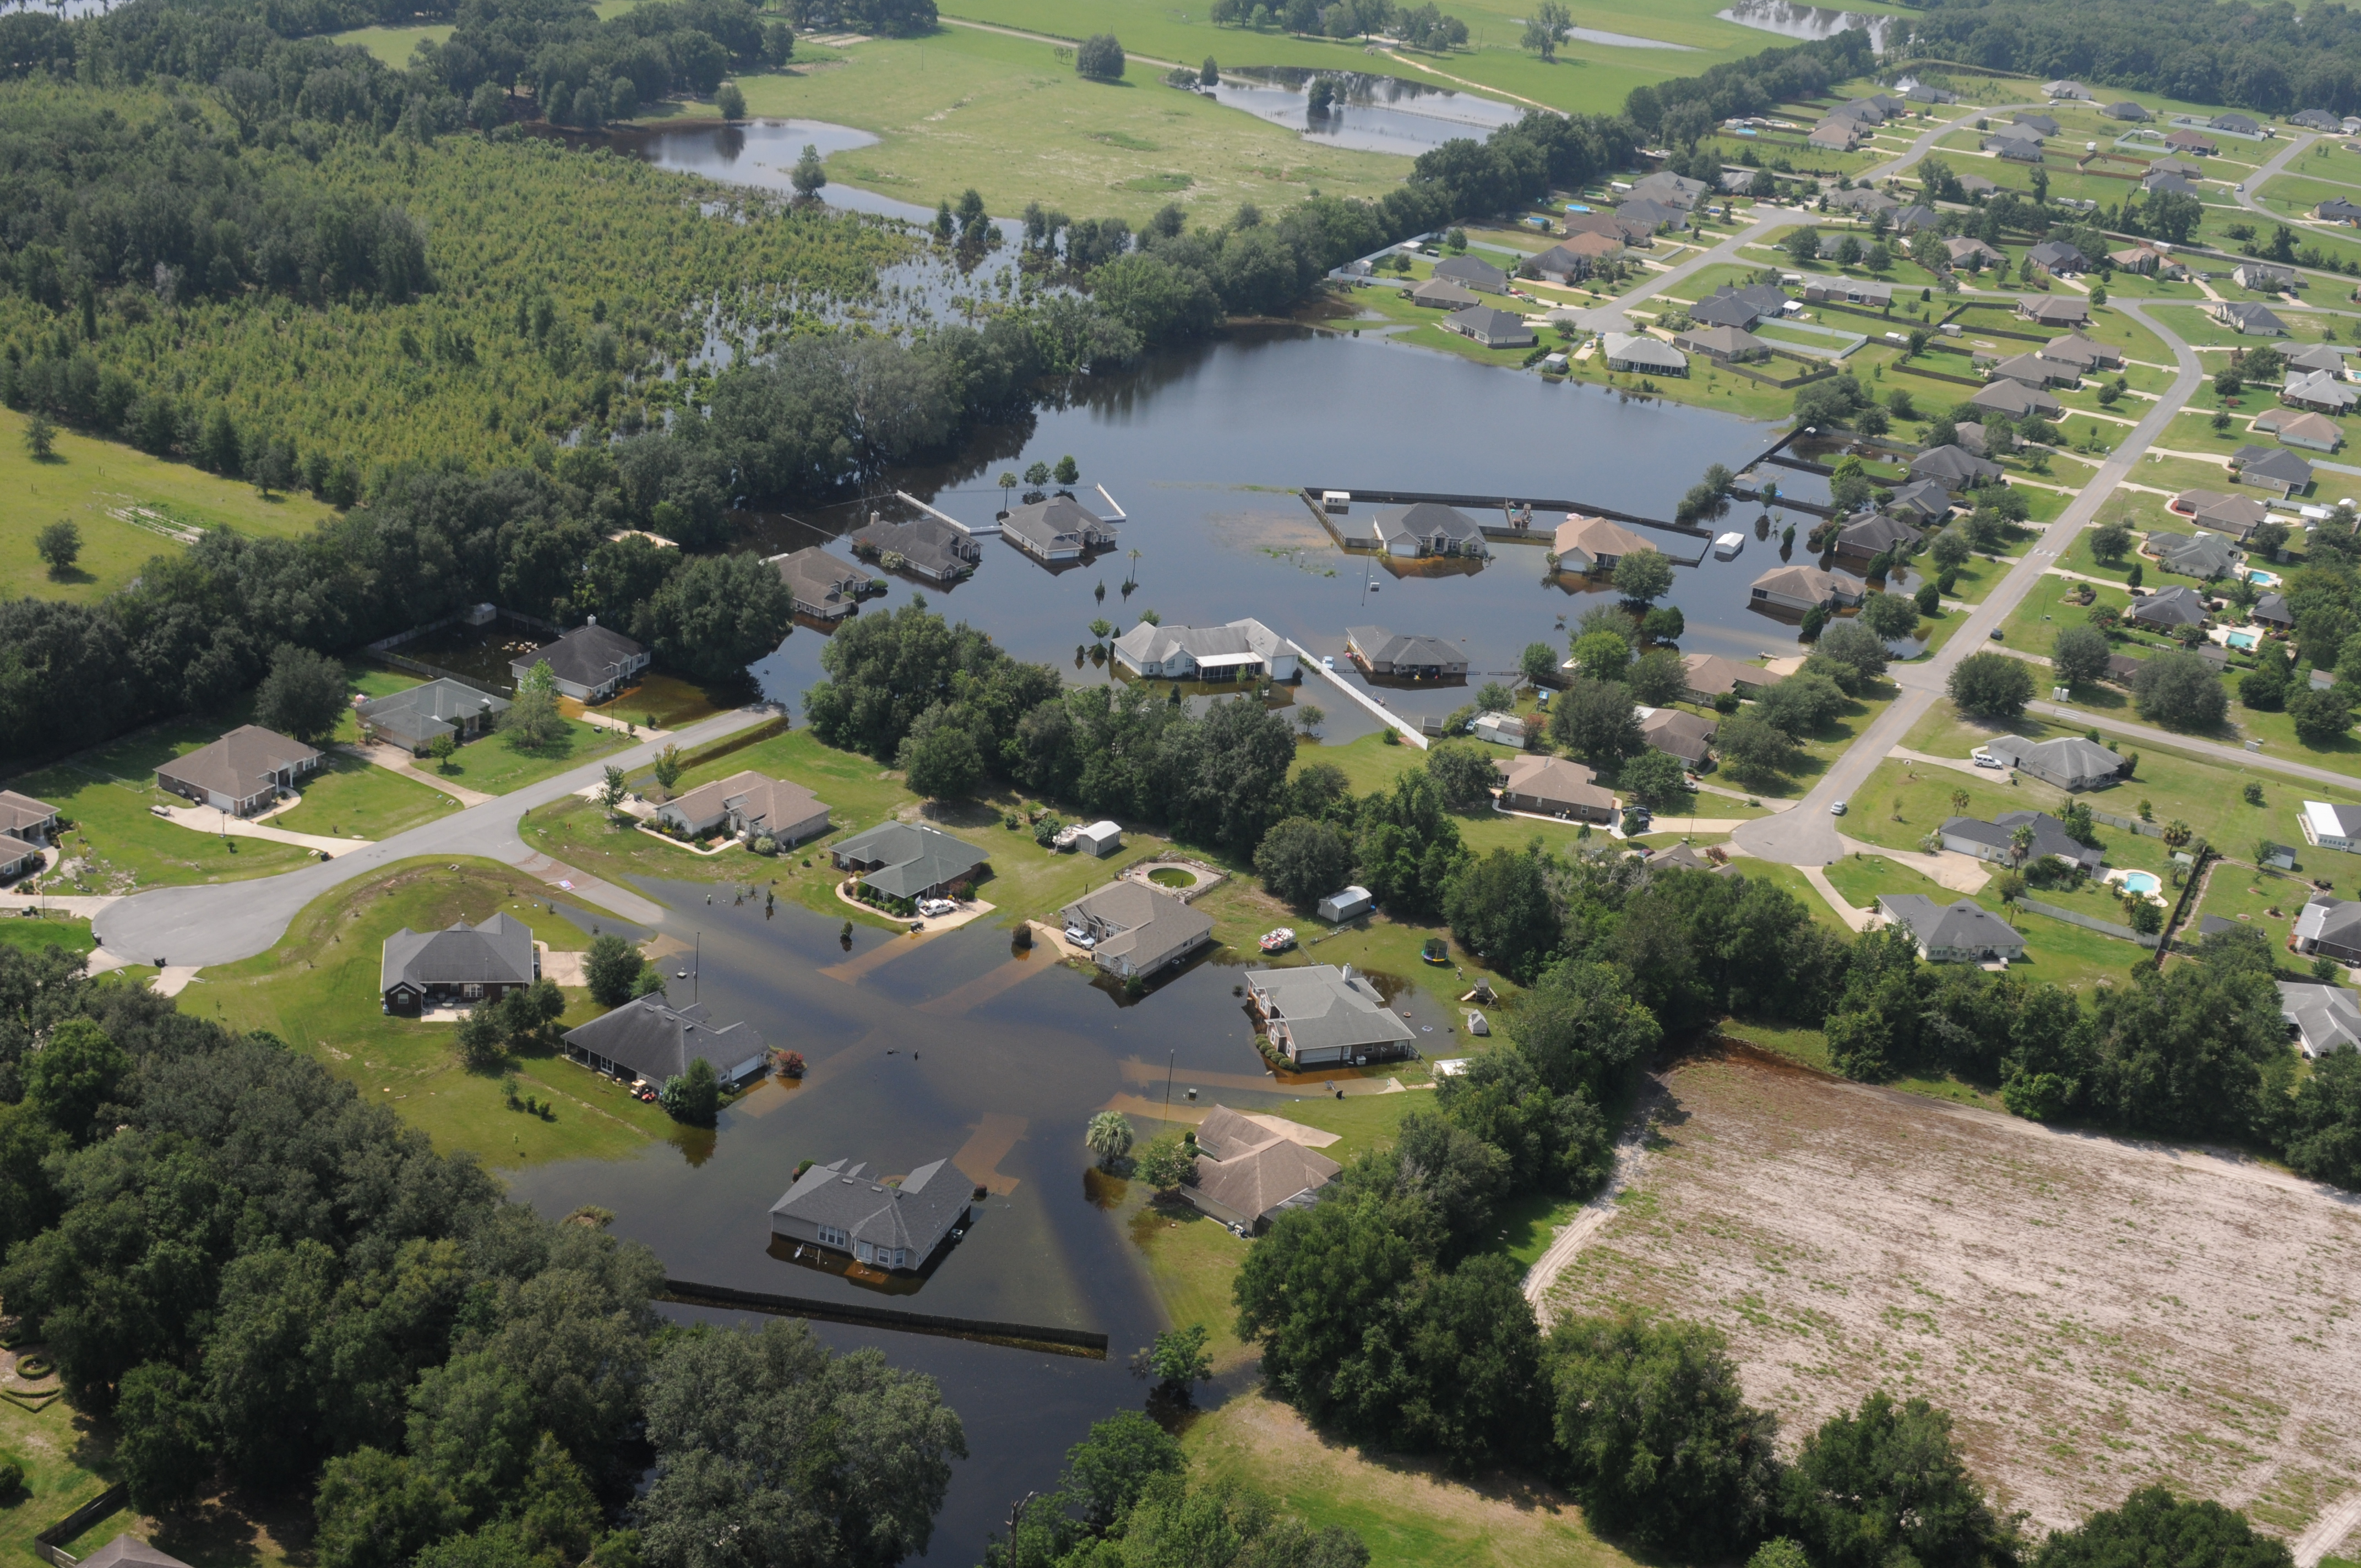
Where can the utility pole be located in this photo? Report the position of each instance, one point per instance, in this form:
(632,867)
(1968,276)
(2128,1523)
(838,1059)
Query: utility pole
(697,971)
(1169,1057)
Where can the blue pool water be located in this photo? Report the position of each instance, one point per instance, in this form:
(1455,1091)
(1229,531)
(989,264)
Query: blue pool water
(2264,579)
(2141,882)
(2243,641)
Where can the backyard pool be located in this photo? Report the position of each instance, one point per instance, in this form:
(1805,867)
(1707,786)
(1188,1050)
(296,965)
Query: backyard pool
(2141,882)
(2244,641)
(2263,579)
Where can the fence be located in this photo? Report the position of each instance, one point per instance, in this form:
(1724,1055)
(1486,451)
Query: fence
(1821,374)
(45,1545)
(2088,922)
(1065,1341)
(437,673)
(2145,829)
(1909,369)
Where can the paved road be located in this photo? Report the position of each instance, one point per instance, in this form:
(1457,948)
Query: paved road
(222,922)
(1808,836)
(2213,750)
(2261,176)
(1611,318)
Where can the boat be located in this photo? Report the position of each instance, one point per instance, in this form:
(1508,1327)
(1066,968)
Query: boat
(1278,941)
(1727,547)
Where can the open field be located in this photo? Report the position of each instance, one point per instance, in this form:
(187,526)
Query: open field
(86,482)
(348,798)
(2096,1313)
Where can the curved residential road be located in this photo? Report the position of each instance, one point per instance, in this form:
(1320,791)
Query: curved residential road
(222,922)
(2243,190)
(1611,318)
(1807,835)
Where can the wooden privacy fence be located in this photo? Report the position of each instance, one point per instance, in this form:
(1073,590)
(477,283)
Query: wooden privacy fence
(48,1545)
(2089,922)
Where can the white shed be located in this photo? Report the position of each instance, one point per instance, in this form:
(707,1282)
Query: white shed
(1339,908)
(1099,838)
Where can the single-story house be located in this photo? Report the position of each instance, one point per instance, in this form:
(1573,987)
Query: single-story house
(1609,226)
(1588,544)
(1710,676)
(2300,427)
(22,817)
(415,717)
(463,964)
(1492,328)
(2316,120)
(1565,264)
(1473,272)
(2055,309)
(1247,1175)
(2238,124)
(1134,930)
(1975,185)
(2264,278)
(649,1038)
(241,773)
(2038,370)
(2127,110)
(1837,134)
(2330,926)
(2143,259)
(2233,517)
(819,585)
(1321,1015)
(590,662)
(1059,529)
(2195,143)
(2323,1017)
(2325,356)
(2168,608)
(1500,729)
(1675,858)
(2122,667)
(883,1222)
(2271,468)
(1850,290)
(1862,201)
(1925,500)
(751,806)
(2070,761)
(127,1550)
(2337,210)
(2018,401)
(2327,825)
(2271,609)
(1673,190)
(1911,219)
(1723,344)
(1966,250)
(2073,348)
(2065,90)
(17,857)
(1230,653)
(2201,555)
(1871,534)
(1346,903)
(1648,356)
(1800,587)
(1404,655)
(927,546)
(1972,438)
(1590,248)
(2016,143)
(1678,734)
(1656,216)
(2167,182)
(1962,932)
(2039,123)
(909,860)
(2247,316)
(1552,787)
(1954,469)
(2323,390)
(1428,528)
(1993,841)
(1442,293)
(2175,166)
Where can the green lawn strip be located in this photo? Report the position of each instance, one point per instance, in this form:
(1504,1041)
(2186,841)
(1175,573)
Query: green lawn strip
(498,763)
(2193,325)
(1809,1046)
(2174,475)
(395,46)
(350,798)
(317,989)
(1706,387)
(1822,750)
(1791,879)
(86,482)
(55,931)
(2268,901)
(1190,1259)
(67,1458)
(2055,951)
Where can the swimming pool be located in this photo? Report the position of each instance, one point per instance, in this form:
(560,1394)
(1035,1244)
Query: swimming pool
(2141,882)
(2263,579)
(2244,641)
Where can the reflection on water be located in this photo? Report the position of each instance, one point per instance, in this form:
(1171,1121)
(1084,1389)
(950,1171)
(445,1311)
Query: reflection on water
(1795,21)
(1621,40)
(1372,113)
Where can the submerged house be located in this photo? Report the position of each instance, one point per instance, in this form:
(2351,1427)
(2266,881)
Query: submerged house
(1241,651)
(820,586)
(1133,931)
(927,546)
(1059,528)
(1321,1015)
(461,964)
(1429,528)
(884,1221)
(1801,587)
(1591,544)
(1403,655)
(590,662)
(649,1038)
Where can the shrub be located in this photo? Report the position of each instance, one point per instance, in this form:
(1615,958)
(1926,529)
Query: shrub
(1991,685)
(1100,58)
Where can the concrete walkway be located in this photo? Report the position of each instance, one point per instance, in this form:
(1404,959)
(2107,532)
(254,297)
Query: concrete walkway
(206,819)
(394,760)
(1858,919)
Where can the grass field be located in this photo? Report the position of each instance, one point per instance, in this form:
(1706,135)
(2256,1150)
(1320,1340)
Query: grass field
(348,798)
(86,482)
(66,1465)
(497,764)
(52,932)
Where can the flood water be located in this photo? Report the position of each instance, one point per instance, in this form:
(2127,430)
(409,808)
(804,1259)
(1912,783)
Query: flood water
(1791,20)
(1372,113)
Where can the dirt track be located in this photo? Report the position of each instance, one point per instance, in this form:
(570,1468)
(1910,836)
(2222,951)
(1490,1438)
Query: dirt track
(2095,1313)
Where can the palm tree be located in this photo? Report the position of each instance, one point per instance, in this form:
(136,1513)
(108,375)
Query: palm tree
(1959,803)
(1135,566)
(1007,484)
(2020,843)
(1109,1138)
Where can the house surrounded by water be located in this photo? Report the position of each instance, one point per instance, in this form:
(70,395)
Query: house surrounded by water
(884,1221)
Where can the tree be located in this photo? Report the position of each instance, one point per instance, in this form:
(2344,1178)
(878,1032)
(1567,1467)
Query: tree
(1177,1361)
(1100,58)
(2080,655)
(1109,1137)
(614,787)
(1802,705)
(731,102)
(1752,749)
(941,757)
(694,1096)
(1464,774)
(716,614)
(303,695)
(1804,244)
(1991,685)
(612,966)
(533,720)
(59,546)
(1301,860)
(2320,716)
(167,1449)
(1164,1164)
(73,1076)
(810,177)
(1659,1440)
(768,1442)
(1499,906)
(2179,691)
(1659,679)
(1546,27)
(1209,74)
(1889,616)
(668,766)
(1870,1487)
(1602,655)
(376,1510)
(2323,1122)
(1593,719)
(1654,779)
(41,436)
(480,1041)
(443,748)
(1643,575)
(1856,653)
(1538,663)
(1068,471)
(2110,539)
(2154,1527)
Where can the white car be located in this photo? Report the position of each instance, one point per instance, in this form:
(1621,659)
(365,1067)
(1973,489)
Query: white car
(931,907)
(1837,808)
(1986,760)
(1327,661)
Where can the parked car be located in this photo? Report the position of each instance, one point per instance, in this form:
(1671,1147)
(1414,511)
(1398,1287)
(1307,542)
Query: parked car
(931,907)
(1836,808)
(1986,760)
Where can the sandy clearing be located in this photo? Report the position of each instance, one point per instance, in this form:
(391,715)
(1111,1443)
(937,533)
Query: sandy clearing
(2095,1312)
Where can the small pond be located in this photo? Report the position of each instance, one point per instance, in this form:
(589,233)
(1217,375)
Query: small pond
(1371,114)
(1791,20)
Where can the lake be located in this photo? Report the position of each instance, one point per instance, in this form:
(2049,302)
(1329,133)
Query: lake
(1372,113)
(1791,20)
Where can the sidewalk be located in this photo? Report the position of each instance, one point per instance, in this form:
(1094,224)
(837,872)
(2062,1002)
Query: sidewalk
(394,760)
(206,819)
(1858,919)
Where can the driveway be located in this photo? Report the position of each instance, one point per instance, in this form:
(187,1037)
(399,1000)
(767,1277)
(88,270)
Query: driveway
(1611,318)
(222,922)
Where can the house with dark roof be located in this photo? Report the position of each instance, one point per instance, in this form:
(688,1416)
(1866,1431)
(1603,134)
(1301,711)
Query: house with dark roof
(2201,555)
(2018,401)
(1404,655)
(1849,290)
(1492,328)
(749,806)
(2323,356)
(2329,926)
(1996,841)
(2055,309)
(1862,201)
(2167,182)
(1442,295)
(2070,761)
(415,717)
(1953,469)
(1552,787)
(1868,534)
(925,546)
(1654,216)
(2039,124)
(2323,1018)
(1566,264)
(2014,142)
(1636,351)
(819,585)
(2036,371)
(2249,316)
(1962,932)
(1322,1016)
(2271,609)
(1429,528)
(1921,500)
(2127,110)
(909,860)
(1057,530)
(459,965)
(241,773)
(1724,309)
(2238,124)
(1914,217)
(2169,609)
(2195,143)
(880,1222)
(2057,258)
(590,663)
(2271,468)
(1473,272)
(1837,134)
(1966,250)
(1800,587)
(2337,210)
(2233,516)
(1673,190)
(2266,278)
(1678,734)
(1723,344)
(1134,930)
(2316,120)
(1248,1175)
(2083,354)
(648,1039)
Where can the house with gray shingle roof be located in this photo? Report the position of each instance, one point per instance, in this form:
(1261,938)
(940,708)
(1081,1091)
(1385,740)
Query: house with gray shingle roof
(649,1038)
(590,662)
(241,773)
(2168,608)
(1648,356)
(2070,761)
(2055,309)
(1404,655)
(751,806)
(2271,468)
(2018,401)
(1870,534)
(1954,469)
(2300,427)
(1492,328)
(1962,932)
(1248,1175)
(2038,370)
(2201,555)
(1133,930)
(416,717)
(2321,390)
(22,817)
(1322,1016)
(1056,529)
(2330,926)
(1442,295)
(2323,1017)
(2127,110)
(883,1222)
(2247,316)
(2271,609)
(1723,344)
(461,964)
(927,546)
(1923,499)
(1473,272)
(909,860)
(1995,841)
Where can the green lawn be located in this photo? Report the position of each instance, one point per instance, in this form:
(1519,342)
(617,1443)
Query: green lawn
(317,989)
(2056,952)
(89,482)
(54,931)
(498,763)
(351,798)
(65,1456)
(395,46)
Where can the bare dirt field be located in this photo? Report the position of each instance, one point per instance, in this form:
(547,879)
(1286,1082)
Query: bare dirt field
(2095,1313)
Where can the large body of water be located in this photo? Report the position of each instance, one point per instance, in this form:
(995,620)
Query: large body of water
(1790,20)
(1372,113)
